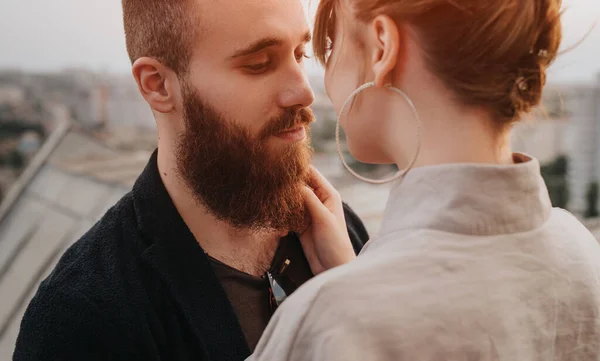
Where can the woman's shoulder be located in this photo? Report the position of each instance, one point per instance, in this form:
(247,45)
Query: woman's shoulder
(562,223)
(571,237)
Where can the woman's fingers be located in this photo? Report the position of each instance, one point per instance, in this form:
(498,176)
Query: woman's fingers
(318,212)
(322,188)
(326,243)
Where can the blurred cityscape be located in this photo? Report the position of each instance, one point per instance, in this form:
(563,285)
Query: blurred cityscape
(72,143)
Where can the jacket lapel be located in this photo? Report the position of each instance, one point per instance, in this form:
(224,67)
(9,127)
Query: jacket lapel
(184,267)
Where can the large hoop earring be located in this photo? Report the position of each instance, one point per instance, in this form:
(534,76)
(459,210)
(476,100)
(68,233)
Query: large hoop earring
(400,173)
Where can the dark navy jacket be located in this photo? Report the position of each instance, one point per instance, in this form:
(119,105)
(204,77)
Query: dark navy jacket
(137,286)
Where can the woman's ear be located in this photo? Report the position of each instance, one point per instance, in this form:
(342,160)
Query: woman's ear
(385,47)
(156,84)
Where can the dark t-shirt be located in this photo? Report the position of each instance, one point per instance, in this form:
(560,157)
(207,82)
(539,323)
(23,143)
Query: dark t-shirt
(249,295)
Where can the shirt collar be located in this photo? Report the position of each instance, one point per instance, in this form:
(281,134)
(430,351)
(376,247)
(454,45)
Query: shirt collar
(470,199)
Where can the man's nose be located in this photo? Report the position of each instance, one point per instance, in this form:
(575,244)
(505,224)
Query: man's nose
(296,90)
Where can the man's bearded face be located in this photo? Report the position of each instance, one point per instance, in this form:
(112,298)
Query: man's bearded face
(251,181)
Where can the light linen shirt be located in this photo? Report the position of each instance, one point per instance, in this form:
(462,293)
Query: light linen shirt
(471,263)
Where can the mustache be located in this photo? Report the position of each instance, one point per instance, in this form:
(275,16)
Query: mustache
(291,119)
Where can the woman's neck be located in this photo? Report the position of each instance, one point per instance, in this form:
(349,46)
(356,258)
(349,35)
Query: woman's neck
(466,141)
(451,135)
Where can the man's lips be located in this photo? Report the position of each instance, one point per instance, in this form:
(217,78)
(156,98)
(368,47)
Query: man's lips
(294,134)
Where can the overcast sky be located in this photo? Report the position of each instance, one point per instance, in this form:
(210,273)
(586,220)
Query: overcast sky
(50,35)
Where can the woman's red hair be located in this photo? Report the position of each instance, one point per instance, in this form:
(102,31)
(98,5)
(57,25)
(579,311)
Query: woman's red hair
(493,54)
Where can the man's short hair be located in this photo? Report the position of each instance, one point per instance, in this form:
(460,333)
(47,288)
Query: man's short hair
(161,29)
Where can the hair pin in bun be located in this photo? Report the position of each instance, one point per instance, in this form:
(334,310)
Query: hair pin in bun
(542,53)
(522,84)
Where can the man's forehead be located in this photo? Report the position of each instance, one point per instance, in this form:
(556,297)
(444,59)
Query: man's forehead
(238,22)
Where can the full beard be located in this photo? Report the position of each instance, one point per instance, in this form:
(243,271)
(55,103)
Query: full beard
(235,175)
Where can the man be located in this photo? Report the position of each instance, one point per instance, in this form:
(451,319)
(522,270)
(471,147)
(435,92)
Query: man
(192,263)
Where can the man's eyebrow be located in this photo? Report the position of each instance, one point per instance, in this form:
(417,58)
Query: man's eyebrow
(265,43)
(257,46)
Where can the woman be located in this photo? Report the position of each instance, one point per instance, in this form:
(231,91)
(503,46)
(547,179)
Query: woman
(471,262)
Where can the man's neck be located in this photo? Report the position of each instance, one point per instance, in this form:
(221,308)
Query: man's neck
(248,251)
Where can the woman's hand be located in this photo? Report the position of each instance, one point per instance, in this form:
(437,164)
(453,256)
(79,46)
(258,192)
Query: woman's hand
(326,242)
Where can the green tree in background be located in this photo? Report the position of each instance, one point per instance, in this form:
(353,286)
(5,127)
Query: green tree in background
(40,129)
(592,200)
(15,160)
(555,176)
(15,127)
(37,106)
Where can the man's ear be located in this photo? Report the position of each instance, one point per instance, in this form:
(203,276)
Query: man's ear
(385,40)
(156,83)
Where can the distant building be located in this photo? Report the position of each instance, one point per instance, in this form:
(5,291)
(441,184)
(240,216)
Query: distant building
(543,139)
(11,95)
(115,101)
(568,124)
(94,100)
(126,106)
(583,143)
